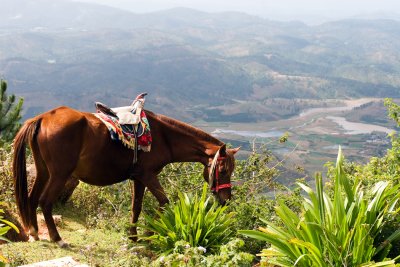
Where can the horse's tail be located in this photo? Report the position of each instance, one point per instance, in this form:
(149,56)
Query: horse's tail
(27,133)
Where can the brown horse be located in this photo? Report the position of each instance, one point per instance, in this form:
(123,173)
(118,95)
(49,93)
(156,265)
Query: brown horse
(69,143)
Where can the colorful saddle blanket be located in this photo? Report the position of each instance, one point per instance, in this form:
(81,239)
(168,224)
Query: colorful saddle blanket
(126,133)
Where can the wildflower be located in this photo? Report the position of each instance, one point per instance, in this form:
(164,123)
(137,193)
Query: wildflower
(162,258)
(203,249)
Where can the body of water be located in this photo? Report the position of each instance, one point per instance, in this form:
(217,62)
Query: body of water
(357,127)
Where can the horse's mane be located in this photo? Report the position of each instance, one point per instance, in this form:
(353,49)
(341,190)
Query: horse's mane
(185,128)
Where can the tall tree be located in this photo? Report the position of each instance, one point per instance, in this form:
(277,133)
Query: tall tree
(10,113)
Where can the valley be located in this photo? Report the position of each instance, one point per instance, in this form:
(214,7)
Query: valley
(242,77)
(315,135)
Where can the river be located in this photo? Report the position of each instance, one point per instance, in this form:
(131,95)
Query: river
(357,127)
(349,127)
(306,119)
(349,105)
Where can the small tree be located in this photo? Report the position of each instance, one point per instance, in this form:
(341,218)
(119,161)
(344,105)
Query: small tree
(10,113)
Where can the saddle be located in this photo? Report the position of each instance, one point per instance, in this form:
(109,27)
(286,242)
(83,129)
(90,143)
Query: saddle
(125,115)
(127,124)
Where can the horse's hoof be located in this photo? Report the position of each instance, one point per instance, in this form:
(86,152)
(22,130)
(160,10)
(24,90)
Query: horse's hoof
(33,238)
(62,244)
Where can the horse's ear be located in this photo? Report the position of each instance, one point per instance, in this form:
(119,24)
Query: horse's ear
(222,150)
(235,150)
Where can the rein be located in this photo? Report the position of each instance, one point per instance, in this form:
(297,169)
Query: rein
(214,173)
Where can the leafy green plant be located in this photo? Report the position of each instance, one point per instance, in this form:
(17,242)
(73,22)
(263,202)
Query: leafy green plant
(337,231)
(5,226)
(253,177)
(192,219)
(229,255)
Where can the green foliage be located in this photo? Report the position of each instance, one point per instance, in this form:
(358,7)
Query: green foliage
(6,181)
(351,220)
(109,207)
(6,193)
(385,168)
(284,138)
(94,247)
(230,255)
(254,196)
(253,177)
(10,113)
(103,207)
(393,109)
(5,226)
(192,219)
(332,231)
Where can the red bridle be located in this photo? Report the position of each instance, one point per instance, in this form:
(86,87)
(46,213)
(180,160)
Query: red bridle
(217,185)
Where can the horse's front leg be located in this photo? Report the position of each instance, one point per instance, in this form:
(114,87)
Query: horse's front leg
(137,199)
(152,183)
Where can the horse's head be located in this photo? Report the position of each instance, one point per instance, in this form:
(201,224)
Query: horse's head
(219,171)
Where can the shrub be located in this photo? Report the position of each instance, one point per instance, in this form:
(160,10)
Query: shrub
(6,180)
(338,232)
(5,226)
(7,193)
(230,255)
(106,207)
(254,178)
(192,219)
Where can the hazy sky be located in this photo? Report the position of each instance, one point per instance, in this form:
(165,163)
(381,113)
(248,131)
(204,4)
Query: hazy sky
(274,9)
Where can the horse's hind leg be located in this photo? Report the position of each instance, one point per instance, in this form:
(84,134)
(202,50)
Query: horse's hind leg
(46,201)
(42,176)
(34,195)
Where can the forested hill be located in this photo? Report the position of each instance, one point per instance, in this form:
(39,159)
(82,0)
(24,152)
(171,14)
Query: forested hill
(190,62)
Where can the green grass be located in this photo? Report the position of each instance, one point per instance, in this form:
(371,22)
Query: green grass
(95,247)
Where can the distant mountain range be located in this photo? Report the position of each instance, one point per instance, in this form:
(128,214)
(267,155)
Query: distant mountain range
(194,65)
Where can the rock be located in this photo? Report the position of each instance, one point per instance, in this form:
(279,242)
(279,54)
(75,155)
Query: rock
(61,262)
